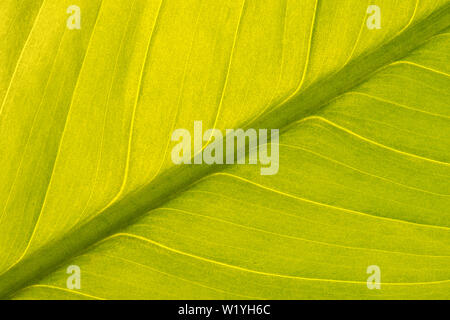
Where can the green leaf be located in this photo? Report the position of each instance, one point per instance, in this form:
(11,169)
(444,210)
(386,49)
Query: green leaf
(86,118)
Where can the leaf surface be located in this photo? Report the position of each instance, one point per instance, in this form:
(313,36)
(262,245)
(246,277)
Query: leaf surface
(87,178)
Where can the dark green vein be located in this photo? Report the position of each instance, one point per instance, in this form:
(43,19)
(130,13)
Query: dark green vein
(173,181)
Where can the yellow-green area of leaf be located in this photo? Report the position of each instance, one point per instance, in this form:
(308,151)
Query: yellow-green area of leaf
(86,177)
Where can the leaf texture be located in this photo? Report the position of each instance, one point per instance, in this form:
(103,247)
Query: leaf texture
(85,125)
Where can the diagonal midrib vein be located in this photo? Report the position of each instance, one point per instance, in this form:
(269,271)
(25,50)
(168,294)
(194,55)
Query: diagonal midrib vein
(19,59)
(175,180)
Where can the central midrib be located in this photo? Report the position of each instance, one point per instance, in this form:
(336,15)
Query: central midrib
(177,179)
